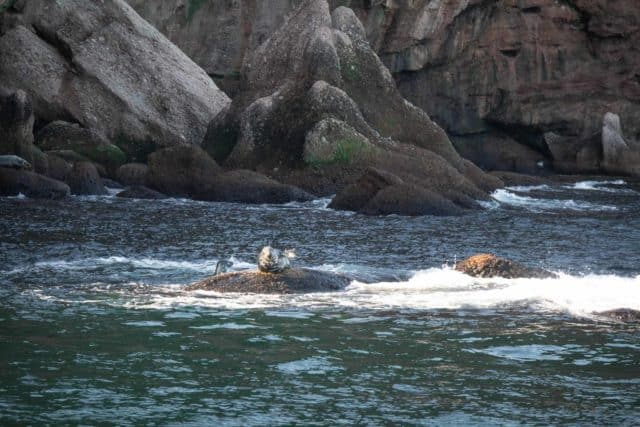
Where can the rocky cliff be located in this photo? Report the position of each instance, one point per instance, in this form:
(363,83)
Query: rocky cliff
(496,74)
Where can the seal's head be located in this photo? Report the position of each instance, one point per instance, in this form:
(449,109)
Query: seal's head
(272,260)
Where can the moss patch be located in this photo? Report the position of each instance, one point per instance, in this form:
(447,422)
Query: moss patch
(350,68)
(192,7)
(346,151)
(5,5)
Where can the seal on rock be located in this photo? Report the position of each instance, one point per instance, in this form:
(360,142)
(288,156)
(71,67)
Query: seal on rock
(274,276)
(272,260)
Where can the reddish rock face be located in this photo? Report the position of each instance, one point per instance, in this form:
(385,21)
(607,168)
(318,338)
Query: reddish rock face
(491,68)
(524,66)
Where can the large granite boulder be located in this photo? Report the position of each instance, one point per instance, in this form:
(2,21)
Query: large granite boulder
(16,124)
(101,65)
(133,174)
(315,97)
(290,281)
(487,265)
(84,179)
(188,171)
(31,184)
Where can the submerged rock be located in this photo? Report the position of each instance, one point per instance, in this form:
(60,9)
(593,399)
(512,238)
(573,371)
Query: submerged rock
(141,192)
(487,265)
(625,315)
(289,281)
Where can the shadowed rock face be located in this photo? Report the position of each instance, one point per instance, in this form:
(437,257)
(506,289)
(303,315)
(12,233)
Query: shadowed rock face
(290,281)
(487,265)
(508,70)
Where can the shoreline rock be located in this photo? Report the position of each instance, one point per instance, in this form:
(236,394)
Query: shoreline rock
(488,265)
(289,281)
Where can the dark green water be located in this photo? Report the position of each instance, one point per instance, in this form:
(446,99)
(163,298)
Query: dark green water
(96,328)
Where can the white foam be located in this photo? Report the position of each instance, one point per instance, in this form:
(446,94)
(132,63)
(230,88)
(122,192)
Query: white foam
(506,197)
(603,186)
(436,288)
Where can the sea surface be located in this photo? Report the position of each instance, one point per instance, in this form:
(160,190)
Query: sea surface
(96,326)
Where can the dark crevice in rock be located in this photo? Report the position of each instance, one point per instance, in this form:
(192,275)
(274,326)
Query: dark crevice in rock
(532,9)
(59,45)
(511,53)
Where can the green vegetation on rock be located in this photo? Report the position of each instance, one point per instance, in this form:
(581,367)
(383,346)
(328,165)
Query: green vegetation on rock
(5,5)
(192,7)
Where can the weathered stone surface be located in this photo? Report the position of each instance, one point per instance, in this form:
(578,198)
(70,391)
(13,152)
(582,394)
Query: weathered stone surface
(487,265)
(188,171)
(183,170)
(479,68)
(382,193)
(290,281)
(620,155)
(59,168)
(315,96)
(14,182)
(60,135)
(575,155)
(133,174)
(16,124)
(84,179)
(141,192)
(101,65)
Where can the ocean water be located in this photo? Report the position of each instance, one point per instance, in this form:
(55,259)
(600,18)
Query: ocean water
(97,328)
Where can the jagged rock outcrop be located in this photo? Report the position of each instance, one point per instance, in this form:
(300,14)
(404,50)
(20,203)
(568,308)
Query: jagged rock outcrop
(620,155)
(100,65)
(494,74)
(314,96)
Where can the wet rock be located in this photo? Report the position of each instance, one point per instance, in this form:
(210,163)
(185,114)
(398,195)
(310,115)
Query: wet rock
(99,64)
(141,192)
(14,182)
(487,265)
(110,183)
(16,124)
(59,135)
(59,168)
(381,193)
(134,174)
(244,186)
(183,170)
(290,281)
(83,179)
(188,171)
(40,161)
(14,162)
(625,315)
